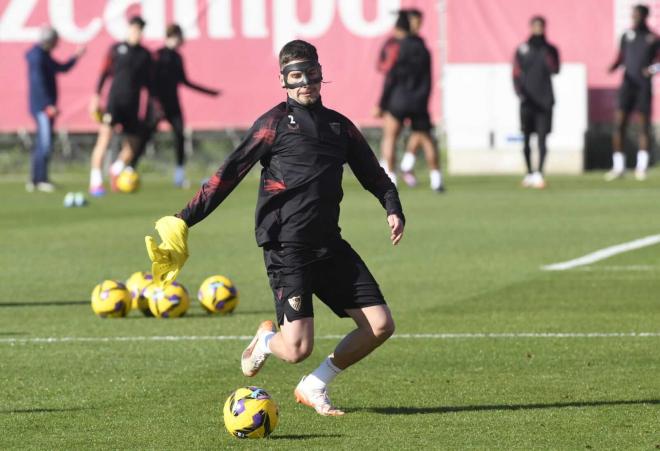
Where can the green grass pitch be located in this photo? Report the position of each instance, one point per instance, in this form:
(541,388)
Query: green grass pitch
(469,263)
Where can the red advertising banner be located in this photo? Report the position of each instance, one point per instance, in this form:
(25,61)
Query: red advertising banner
(231,45)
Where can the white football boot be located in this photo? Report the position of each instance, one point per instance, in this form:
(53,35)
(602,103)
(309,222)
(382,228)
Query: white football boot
(613,175)
(538,182)
(316,398)
(253,358)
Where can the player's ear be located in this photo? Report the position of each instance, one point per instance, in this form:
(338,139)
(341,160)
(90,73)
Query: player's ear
(282,81)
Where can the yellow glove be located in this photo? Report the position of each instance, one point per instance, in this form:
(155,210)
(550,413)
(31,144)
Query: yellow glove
(168,258)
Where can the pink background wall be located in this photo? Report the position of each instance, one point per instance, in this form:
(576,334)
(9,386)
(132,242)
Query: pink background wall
(486,31)
(244,67)
(242,61)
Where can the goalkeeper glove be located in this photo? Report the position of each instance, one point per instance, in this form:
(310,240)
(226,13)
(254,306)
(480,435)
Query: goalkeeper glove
(168,258)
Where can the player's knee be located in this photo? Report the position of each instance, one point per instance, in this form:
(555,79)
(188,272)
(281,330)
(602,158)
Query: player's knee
(383,329)
(298,352)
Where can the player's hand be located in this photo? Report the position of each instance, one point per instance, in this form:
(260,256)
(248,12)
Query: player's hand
(80,51)
(651,70)
(396,228)
(168,258)
(377,112)
(51,111)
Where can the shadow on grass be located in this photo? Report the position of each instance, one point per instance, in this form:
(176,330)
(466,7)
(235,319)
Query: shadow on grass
(43,410)
(485,408)
(42,303)
(302,436)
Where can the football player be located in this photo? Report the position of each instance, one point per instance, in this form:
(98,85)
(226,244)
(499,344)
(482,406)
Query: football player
(637,53)
(302,146)
(130,66)
(534,63)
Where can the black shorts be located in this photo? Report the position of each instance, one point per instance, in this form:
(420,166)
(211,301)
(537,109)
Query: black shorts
(635,96)
(125,115)
(335,274)
(534,119)
(420,121)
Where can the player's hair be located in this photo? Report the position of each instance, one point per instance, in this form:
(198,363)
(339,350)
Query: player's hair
(297,50)
(402,22)
(537,18)
(174,30)
(137,20)
(414,12)
(643,10)
(47,35)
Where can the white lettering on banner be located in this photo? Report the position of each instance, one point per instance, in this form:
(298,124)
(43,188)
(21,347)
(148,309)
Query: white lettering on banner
(219,19)
(13,22)
(351,13)
(62,18)
(185,14)
(113,16)
(254,19)
(286,25)
(153,12)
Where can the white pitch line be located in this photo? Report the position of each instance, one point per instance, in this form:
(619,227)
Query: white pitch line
(629,268)
(602,254)
(447,336)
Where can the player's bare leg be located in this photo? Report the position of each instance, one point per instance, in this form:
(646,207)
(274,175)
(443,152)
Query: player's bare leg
(374,326)
(391,131)
(295,341)
(408,161)
(100,148)
(643,153)
(618,158)
(432,161)
(124,159)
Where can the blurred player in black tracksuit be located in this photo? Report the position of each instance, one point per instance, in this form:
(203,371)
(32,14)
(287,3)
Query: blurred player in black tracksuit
(406,63)
(638,52)
(130,67)
(169,73)
(417,138)
(535,61)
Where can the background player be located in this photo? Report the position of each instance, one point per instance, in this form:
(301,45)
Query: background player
(302,146)
(405,96)
(42,71)
(419,138)
(130,66)
(168,74)
(637,52)
(534,62)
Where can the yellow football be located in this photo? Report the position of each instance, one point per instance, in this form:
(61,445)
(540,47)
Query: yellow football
(111,299)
